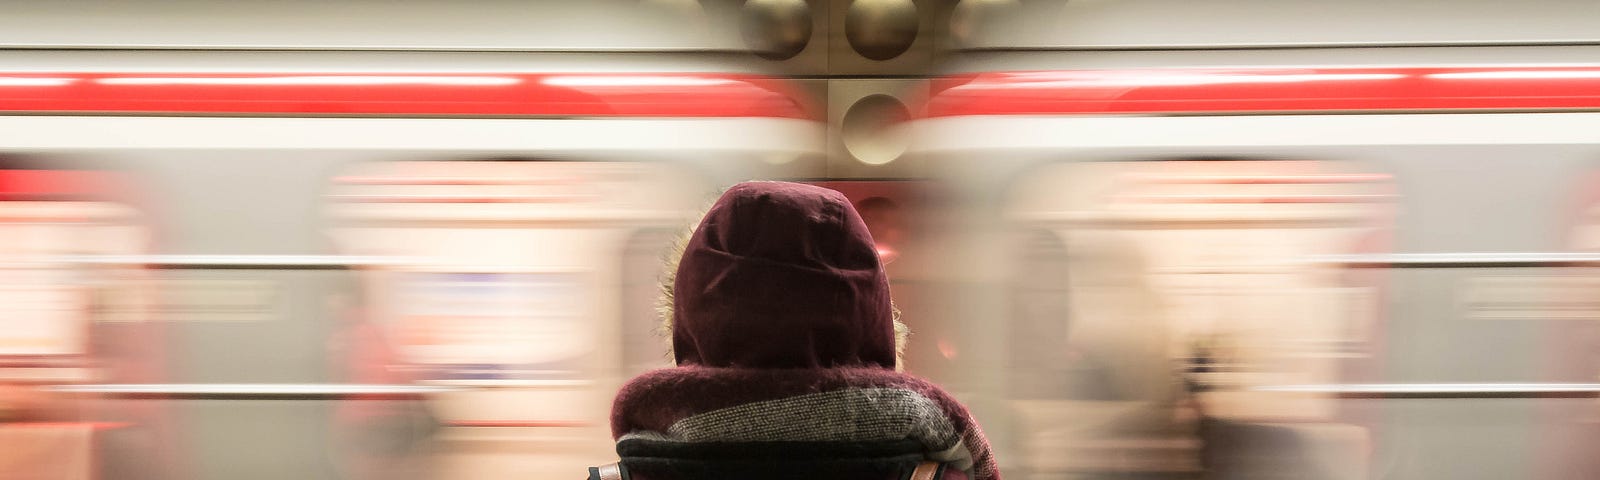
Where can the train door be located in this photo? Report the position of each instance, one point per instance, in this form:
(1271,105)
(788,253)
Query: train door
(1186,286)
(509,285)
(1481,126)
(1564,299)
(70,322)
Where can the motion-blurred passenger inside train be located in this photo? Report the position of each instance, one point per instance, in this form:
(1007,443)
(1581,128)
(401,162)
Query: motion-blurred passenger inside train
(787,347)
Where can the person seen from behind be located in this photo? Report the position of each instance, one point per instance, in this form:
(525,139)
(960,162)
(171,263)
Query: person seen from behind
(787,348)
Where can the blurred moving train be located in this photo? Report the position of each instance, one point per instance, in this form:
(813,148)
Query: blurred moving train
(1280,240)
(1144,239)
(362,250)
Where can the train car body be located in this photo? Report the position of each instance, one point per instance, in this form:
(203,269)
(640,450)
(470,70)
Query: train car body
(1170,239)
(423,242)
(1278,239)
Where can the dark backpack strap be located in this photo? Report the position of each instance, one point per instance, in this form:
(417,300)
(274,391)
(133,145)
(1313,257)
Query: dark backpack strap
(607,472)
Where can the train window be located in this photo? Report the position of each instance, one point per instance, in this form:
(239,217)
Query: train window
(50,298)
(477,326)
(66,319)
(1038,365)
(503,279)
(1182,286)
(1564,305)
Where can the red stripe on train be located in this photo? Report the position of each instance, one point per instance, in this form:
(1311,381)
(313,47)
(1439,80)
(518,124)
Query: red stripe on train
(57,425)
(1266,89)
(403,94)
(55,184)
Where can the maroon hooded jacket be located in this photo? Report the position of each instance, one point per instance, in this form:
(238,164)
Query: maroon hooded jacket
(784,334)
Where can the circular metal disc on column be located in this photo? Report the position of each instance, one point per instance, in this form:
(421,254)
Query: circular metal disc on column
(871,129)
(881,29)
(776,29)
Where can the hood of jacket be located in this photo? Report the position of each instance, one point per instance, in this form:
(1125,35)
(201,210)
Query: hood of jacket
(782,275)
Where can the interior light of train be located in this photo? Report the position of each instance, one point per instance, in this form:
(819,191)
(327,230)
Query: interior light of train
(488,81)
(35,81)
(947,349)
(633,81)
(43,320)
(887,254)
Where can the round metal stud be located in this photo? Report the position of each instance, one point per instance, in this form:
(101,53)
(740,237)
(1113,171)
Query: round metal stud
(873,129)
(776,29)
(881,29)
